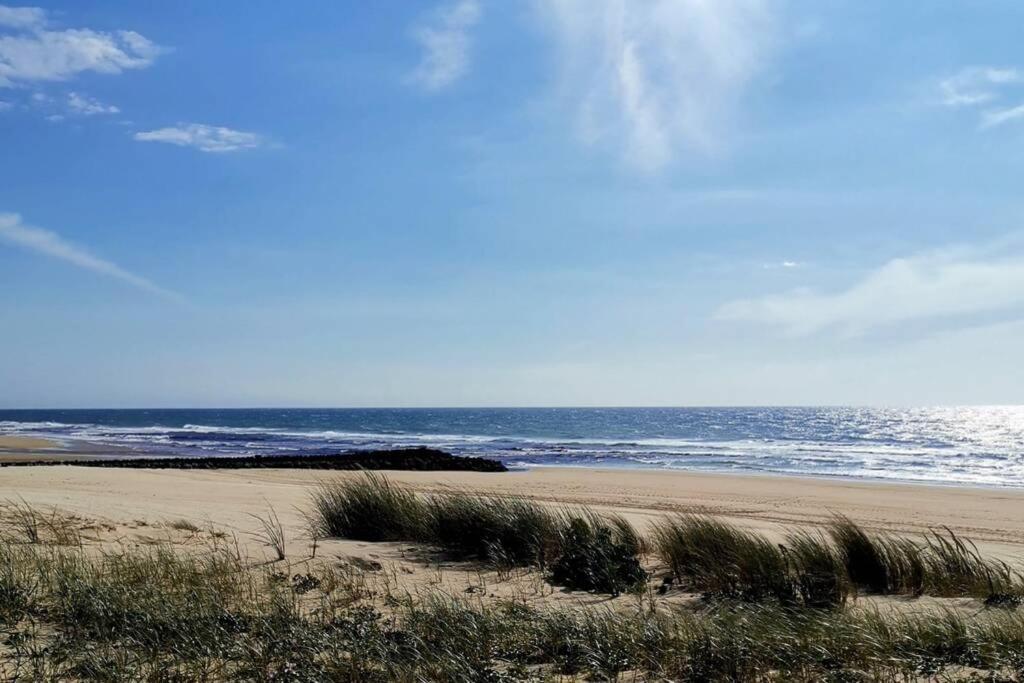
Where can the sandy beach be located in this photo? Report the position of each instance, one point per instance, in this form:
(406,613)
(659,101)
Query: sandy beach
(193,511)
(992,517)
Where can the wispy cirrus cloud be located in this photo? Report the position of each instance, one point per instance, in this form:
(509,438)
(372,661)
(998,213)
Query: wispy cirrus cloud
(445,40)
(660,77)
(977,85)
(942,284)
(986,89)
(31,50)
(998,117)
(203,137)
(13,230)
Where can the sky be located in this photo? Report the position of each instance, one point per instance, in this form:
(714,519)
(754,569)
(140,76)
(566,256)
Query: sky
(515,203)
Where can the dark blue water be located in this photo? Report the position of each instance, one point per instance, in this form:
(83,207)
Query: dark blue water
(977,445)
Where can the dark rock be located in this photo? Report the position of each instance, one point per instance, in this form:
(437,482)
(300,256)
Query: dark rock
(424,459)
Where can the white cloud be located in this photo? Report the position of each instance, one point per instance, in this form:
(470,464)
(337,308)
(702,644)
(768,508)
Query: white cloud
(53,245)
(928,286)
(31,51)
(998,117)
(203,137)
(446,43)
(977,85)
(782,264)
(658,76)
(4,106)
(88,106)
(22,17)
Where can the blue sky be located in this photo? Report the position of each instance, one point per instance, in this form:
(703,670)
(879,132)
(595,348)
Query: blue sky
(560,202)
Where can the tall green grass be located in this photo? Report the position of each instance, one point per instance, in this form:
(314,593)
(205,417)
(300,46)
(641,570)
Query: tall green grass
(579,549)
(369,508)
(504,531)
(941,564)
(720,559)
(878,563)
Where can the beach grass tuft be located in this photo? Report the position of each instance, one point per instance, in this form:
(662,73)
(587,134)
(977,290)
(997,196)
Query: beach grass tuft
(598,553)
(722,560)
(368,508)
(824,570)
(879,564)
(505,531)
(953,566)
(583,550)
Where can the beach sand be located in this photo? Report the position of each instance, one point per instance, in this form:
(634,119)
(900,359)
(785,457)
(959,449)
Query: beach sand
(197,510)
(139,508)
(994,518)
(26,444)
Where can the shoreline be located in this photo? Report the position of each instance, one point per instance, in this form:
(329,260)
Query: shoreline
(23,450)
(838,478)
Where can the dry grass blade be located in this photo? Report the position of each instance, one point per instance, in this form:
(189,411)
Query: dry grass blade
(24,520)
(271,532)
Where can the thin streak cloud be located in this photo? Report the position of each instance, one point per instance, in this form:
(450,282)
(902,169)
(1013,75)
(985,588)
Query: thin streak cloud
(51,244)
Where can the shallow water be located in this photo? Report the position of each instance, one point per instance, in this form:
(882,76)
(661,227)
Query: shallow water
(953,445)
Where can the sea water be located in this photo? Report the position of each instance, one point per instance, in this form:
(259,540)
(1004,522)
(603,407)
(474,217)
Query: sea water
(952,445)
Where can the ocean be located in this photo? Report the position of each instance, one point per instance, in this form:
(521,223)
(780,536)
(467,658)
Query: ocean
(950,445)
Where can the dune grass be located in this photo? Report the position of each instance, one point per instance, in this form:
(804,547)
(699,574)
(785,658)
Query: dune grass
(579,549)
(271,532)
(504,531)
(368,508)
(157,614)
(878,563)
(953,566)
(722,560)
(941,564)
(600,554)
(170,614)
